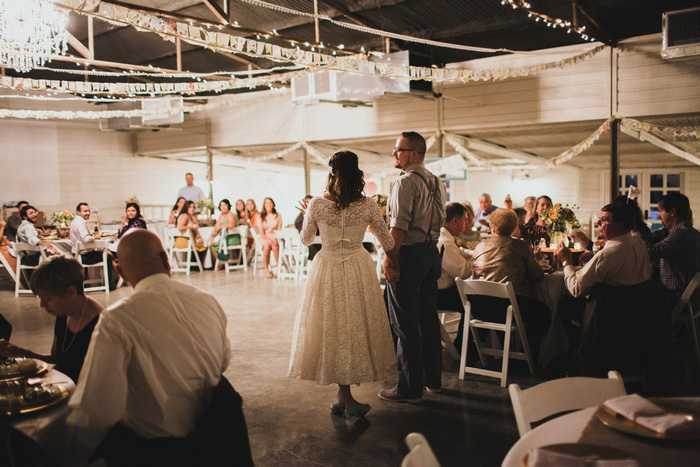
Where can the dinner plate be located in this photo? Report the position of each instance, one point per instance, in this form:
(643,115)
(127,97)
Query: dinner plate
(58,393)
(40,367)
(618,422)
(589,452)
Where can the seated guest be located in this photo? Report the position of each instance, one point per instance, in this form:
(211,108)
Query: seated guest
(253,216)
(152,368)
(172,220)
(188,221)
(455,263)
(227,220)
(470,237)
(132,219)
(623,261)
(241,213)
(27,233)
(502,258)
(270,221)
(13,222)
(533,230)
(623,317)
(80,233)
(639,228)
(528,210)
(59,285)
(677,245)
(486,207)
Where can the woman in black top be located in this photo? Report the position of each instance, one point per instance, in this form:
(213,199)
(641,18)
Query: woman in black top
(59,285)
(132,219)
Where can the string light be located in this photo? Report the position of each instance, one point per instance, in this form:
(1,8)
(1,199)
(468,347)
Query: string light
(548,20)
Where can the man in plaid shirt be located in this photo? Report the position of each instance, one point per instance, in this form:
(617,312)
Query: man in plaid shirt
(677,245)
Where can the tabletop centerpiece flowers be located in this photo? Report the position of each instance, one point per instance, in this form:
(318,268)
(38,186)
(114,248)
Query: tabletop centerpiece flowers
(559,221)
(61,218)
(206,206)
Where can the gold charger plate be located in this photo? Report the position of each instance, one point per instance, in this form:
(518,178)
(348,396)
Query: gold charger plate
(41,366)
(28,407)
(618,422)
(592,452)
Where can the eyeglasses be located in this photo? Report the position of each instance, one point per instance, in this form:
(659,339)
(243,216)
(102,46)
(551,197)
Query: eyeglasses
(603,220)
(400,149)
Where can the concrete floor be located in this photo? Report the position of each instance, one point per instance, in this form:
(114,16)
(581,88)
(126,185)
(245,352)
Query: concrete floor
(470,423)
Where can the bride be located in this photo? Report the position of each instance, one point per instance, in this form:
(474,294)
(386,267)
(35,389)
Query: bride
(342,332)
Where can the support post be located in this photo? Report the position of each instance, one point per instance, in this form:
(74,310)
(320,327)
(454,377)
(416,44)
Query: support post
(307,172)
(614,158)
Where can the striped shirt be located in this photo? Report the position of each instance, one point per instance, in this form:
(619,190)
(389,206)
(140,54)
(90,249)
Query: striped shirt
(417,205)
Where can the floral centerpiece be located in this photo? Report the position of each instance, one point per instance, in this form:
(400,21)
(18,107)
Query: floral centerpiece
(381,201)
(61,218)
(559,220)
(205,204)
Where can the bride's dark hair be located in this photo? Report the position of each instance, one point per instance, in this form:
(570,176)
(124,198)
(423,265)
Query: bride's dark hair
(345,179)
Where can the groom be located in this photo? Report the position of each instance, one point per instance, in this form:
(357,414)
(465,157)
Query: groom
(412,268)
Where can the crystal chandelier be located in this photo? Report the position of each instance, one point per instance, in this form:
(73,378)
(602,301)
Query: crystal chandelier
(30,32)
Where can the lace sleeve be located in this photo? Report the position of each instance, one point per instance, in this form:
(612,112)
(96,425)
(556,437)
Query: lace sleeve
(308,231)
(376,220)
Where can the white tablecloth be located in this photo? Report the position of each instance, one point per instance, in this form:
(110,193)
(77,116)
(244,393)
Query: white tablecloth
(550,291)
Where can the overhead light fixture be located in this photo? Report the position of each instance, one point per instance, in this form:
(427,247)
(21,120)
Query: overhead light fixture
(30,32)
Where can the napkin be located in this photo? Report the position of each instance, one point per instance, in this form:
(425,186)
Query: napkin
(649,415)
(542,457)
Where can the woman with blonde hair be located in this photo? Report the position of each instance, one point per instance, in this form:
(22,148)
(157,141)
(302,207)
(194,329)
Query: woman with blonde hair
(503,258)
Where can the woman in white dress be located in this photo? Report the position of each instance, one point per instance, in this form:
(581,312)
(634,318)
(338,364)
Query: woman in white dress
(342,332)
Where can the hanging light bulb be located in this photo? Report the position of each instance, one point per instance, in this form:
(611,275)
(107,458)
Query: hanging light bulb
(30,32)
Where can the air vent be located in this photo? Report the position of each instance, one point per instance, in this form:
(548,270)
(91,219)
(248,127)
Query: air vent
(681,30)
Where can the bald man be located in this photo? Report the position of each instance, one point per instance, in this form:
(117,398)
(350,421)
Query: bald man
(153,363)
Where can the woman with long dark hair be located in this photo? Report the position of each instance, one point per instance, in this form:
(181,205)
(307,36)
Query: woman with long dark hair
(132,219)
(172,220)
(342,332)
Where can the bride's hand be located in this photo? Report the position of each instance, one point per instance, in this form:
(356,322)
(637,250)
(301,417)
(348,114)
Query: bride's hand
(303,204)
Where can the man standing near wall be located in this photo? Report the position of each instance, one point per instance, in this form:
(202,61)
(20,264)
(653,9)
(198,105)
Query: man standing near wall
(190,192)
(412,269)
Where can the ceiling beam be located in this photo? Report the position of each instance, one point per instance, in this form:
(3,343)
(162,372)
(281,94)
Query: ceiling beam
(78,46)
(656,141)
(216,10)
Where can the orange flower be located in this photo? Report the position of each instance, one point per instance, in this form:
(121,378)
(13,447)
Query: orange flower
(553,214)
(556,206)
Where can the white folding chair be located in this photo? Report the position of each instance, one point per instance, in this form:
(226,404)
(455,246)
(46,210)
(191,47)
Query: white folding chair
(378,254)
(686,302)
(497,290)
(22,250)
(174,253)
(102,281)
(10,270)
(561,396)
(241,261)
(445,336)
(258,245)
(289,245)
(420,454)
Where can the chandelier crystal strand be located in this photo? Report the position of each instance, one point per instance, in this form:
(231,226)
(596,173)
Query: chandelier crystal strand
(30,32)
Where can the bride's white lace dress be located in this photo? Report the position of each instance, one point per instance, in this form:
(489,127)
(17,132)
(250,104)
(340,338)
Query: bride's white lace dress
(342,332)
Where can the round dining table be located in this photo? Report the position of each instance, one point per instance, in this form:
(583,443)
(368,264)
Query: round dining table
(583,427)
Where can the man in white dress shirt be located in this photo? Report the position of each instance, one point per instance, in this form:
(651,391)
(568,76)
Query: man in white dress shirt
(190,191)
(27,233)
(153,364)
(80,233)
(456,262)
